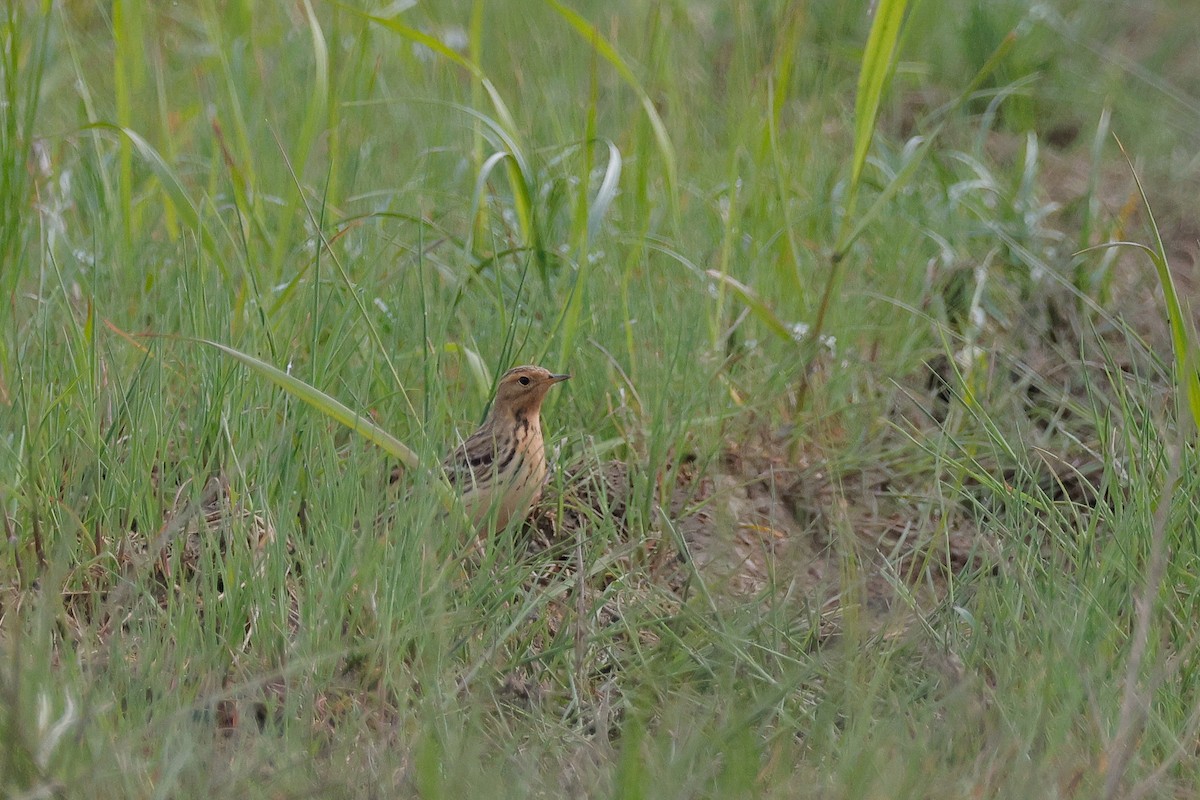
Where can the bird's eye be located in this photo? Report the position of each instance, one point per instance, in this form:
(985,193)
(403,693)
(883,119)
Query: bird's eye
(523,380)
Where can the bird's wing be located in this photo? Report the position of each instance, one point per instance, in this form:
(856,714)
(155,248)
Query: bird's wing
(472,460)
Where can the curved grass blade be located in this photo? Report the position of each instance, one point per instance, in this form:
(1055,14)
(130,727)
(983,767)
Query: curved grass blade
(901,181)
(601,45)
(504,127)
(436,46)
(1183,335)
(323,403)
(598,207)
(852,229)
(522,202)
(750,298)
(479,371)
(1183,339)
(757,306)
(171,185)
(520,176)
(607,191)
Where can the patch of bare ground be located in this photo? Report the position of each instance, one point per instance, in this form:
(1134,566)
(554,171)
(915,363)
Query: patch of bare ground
(763,524)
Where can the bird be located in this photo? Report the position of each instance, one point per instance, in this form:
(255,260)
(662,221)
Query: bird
(502,466)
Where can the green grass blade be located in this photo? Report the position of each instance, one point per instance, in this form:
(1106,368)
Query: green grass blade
(475,45)
(597,208)
(902,179)
(22,65)
(756,304)
(436,45)
(872,81)
(1183,339)
(128,69)
(479,371)
(601,45)
(299,150)
(478,196)
(1183,336)
(853,228)
(520,176)
(324,403)
(518,169)
(171,185)
(790,278)
(607,191)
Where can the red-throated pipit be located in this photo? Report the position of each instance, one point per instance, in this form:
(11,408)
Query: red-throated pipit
(503,464)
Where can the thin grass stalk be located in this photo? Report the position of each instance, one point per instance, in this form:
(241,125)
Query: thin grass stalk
(475,44)
(100,154)
(580,227)
(233,139)
(33,487)
(170,220)
(852,229)
(22,87)
(874,73)
(595,211)
(171,184)
(1098,280)
(662,139)
(517,166)
(1184,342)
(323,244)
(777,92)
(300,149)
(580,231)
(13,542)
(94,384)
(128,69)
(1135,701)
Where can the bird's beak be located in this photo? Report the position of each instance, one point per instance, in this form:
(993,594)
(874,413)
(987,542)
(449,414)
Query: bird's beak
(558,378)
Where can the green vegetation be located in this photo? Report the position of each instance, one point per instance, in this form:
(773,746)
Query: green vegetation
(876,477)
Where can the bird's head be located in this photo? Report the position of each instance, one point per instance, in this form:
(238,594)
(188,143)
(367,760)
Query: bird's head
(522,389)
